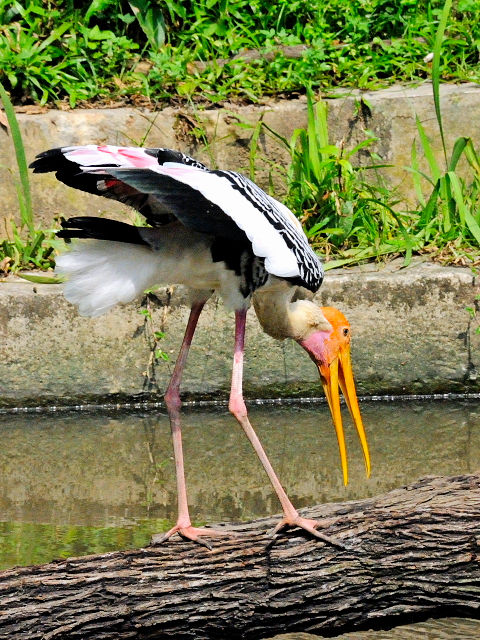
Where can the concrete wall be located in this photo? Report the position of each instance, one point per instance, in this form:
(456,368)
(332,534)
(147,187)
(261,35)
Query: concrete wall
(411,334)
(391,118)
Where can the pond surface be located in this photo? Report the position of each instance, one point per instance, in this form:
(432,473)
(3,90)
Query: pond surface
(73,484)
(81,483)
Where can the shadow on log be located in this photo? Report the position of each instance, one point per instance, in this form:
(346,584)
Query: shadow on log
(412,552)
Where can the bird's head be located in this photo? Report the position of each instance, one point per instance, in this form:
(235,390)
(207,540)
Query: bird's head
(329,348)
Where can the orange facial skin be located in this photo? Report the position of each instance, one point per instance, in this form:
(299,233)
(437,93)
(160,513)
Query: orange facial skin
(330,350)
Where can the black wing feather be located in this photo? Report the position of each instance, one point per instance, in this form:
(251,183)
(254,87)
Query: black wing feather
(309,266)
(183,202)
(68,172)
(195,211)
(100,229)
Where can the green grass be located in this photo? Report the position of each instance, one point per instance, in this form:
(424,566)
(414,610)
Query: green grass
(350,215)
(344,208)
(58,50)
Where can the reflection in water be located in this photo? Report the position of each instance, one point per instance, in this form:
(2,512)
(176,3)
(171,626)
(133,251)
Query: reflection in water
(441,629)
(79,484)
(73,484)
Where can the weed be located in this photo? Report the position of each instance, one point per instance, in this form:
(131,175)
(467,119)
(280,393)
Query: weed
(49,51)
(23,184)
(352,217)
(16,252)
(473,313)
(23,247)
(450,213)
(154,339)
(343,213)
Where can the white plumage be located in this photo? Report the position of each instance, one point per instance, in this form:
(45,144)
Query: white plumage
(282,244)
(102,273)
(99,275)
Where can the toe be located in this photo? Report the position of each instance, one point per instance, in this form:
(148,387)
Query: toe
(312,529)
(191,533)
(195,534)
(307,525)
(159,538)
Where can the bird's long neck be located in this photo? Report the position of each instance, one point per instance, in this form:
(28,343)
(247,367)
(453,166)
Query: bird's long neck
(281,318)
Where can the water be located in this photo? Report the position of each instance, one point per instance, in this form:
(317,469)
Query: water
(73,484)
(84,483)
(442,629)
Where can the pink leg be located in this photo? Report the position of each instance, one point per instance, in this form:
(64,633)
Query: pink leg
(173,402)
(237,407)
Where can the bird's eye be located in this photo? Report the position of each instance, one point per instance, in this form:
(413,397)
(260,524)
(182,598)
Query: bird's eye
(346,331)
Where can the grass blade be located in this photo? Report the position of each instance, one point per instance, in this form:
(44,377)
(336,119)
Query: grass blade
(409,245)
(41,279)
(472,157)
(26,209)
(458,149)
(429,210)
(314,135)
(464,211)
(257,129)
(416,174)
(437,47)
(55,35)
(428,151)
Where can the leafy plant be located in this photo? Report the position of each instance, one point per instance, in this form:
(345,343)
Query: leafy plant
(23,184)
(193,50)
(473,313)
(150,18)
(154,337)
(53,51)
(17,252)
(349,214)
(450,214)
(148,14)
(328,188)
(24,247)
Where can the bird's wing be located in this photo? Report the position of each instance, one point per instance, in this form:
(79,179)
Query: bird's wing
(222,203)
(164,184)
(286,212)
(66,162)
(277,220)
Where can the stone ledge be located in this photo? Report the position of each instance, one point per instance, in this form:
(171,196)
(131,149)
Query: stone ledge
(411,334)
(390,116)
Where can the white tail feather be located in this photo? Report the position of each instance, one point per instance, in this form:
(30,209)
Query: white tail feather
(102,273)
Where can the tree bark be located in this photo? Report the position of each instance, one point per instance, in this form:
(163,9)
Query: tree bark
(412,553)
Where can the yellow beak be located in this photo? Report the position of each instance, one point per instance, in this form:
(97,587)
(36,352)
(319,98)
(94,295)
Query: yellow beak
(339,373)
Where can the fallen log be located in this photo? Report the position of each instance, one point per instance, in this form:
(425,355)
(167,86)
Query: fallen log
(412,552)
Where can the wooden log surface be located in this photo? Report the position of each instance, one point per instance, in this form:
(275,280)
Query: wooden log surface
(413,552)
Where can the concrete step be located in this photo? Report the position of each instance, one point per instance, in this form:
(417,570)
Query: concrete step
(412,333)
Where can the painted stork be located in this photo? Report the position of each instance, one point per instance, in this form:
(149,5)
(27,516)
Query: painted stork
(211,231)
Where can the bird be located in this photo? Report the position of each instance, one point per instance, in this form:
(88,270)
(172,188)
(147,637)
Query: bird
(212,231)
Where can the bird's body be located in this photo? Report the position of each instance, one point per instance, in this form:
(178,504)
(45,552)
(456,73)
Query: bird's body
(211,231)
(116,272)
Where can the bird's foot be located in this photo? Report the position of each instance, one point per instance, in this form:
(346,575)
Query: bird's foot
(307,525)
(187,532)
